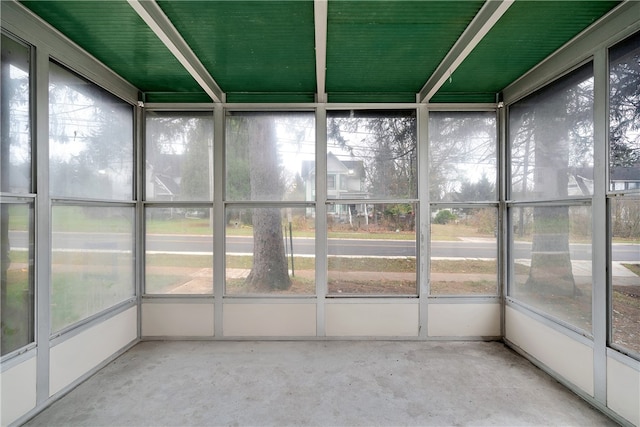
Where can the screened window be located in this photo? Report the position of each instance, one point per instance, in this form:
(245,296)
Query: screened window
(624,216)
(179,156)
(464,212)
(372,211)
(16,120)
(372,249)
(90,140)
(551,153)
(464,251)
(551,261)
(91,186)
(270,250)
(178,249)
(551,140)
(16,231)
(270,156)
(17,224)
(624,200)
(376,151)
(462,156)
(270,220)
(624,115)
(179,202)
(92,261)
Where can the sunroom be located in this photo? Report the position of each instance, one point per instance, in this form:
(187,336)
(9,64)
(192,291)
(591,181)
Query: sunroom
(320,170)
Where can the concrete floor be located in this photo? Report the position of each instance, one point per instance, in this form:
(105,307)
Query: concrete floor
(325,383)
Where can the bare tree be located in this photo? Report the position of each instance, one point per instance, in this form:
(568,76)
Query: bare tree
(457,139)
(386,142)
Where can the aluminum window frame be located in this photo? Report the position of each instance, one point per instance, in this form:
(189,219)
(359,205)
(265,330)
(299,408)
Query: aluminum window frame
(225,204)
(610,196)
(433,205)
(58,201)
(417,200)
(568,201)
(591,44)
(29,198)
(144,202)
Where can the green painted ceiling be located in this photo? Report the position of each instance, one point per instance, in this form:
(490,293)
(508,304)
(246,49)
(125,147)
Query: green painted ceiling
(527,33)
(387,49)
(114,33)
(251,48)
(264,50)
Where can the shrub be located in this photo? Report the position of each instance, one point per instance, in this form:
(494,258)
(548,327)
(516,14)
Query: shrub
(444,217)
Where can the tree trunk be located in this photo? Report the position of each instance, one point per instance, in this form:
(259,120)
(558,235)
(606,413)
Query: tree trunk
(269,270)
(551,271)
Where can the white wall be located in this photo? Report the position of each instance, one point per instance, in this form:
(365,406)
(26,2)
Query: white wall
(567,357)
(69,361)
(464,320)
(17,391)
(272,319)
(342,318)
(81,353)
(163,318)
(623,389)
(385,319)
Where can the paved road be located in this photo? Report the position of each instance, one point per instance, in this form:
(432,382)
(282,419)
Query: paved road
(356,247)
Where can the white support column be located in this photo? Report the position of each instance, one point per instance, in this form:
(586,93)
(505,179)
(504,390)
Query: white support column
(486,18)
(218,219)
(320,9)
(139,182)
(503,229)
(599,221)
(424,232)
(43,224)
(161,25)
(321,219)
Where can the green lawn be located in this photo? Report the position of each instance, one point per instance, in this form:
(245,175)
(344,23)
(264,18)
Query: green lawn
(19,311)
(79,294)
(73,218)
(633,267)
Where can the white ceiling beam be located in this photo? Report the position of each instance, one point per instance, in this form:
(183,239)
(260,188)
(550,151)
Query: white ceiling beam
(160,24)
(484,20)
(320,17)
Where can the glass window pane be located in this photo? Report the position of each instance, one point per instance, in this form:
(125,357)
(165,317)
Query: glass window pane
(270,251)
(551,140)
(624,115)
(179,250)
(179,156)
(15,155)
(90,140)
(372,249)
(16,275)
(625,272)
(551,261)
(270,156)
(375,154)
(464,251)
(462,156)
(92,264)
